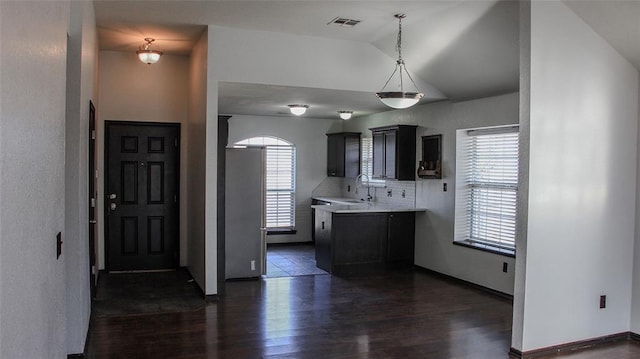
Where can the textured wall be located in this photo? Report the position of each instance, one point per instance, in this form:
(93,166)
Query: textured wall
(582,177)
(308,136)
(132,91)
(195,130)
(81,70)
(32,189)
(434,229)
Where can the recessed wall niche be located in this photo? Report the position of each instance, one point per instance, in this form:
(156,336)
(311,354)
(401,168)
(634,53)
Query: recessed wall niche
(431,164)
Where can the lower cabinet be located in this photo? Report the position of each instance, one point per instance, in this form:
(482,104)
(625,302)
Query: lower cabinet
(358,242)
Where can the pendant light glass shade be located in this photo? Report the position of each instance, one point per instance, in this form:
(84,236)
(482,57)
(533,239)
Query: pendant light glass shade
(399,99)
(345,115)
(298,110)
(146,55)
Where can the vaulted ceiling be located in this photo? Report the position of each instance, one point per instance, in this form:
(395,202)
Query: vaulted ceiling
(465,49)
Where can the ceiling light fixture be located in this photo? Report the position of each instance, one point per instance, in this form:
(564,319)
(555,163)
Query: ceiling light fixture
(146,55)
(399,99)
(298,110)
(345,115)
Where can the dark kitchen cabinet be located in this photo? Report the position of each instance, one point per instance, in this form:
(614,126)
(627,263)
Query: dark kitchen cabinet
(394,152)
(349,243)
(401,238)
(343,154)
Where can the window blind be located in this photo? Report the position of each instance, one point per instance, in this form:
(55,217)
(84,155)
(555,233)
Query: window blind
(280,187)
(489,169)
(366,162)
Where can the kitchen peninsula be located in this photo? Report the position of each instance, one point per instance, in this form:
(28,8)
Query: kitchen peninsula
(353,237)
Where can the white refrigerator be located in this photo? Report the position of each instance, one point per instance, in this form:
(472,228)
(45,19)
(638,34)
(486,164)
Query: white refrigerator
(245,232)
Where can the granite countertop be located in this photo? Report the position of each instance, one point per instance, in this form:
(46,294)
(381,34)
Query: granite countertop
(351,205)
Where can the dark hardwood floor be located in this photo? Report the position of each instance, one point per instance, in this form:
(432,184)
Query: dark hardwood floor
(408,314)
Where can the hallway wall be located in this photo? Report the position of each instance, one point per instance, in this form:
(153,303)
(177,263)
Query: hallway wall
(33,51)
(132,91)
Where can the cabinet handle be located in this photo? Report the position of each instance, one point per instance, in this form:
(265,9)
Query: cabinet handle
(322,224)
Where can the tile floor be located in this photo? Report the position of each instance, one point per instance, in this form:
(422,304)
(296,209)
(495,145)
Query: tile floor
(292,261)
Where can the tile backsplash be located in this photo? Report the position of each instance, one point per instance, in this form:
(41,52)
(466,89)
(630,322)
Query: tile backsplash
(394,193)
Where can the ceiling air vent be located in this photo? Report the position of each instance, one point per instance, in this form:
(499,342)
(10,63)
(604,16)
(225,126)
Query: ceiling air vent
(344,22)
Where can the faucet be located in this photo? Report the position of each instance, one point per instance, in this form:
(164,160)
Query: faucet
(359,181)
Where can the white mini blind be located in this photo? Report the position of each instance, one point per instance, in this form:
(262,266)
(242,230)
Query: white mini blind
(280,181)
(280,201)
(489,172)
(366,161)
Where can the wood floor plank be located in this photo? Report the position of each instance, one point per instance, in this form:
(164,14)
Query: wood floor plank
(402,314)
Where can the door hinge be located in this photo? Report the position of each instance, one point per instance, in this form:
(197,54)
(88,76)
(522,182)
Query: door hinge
(93,202)
(93,134)
(93,270)
(96,173)
(175,142)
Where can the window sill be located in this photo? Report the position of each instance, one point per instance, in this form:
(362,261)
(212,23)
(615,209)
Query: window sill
(487,248)
(278,231)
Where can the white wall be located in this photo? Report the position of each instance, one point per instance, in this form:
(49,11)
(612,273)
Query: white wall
(132,91)
(582,170)
(635,300)
(33,50)
(81,70)
(195,131)
(278,59)
(308,136)
(434,229)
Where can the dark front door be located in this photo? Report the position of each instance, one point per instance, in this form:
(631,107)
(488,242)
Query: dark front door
(141,211)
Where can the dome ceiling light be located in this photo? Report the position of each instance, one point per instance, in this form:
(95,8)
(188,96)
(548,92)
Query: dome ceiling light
(146,55)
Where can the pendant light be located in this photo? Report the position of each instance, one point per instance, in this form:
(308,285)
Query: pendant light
(399,99)
(146,55)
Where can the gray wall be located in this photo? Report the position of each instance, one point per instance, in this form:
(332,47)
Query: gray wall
(81,84)
(434,229)
(132,91)
(308,136)
(33,50)
(195,166)
(579,238)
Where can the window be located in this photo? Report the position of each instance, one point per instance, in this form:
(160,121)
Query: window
(487,188)
(366,162)
(280,182)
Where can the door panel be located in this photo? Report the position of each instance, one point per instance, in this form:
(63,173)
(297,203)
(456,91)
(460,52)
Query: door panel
(141,195)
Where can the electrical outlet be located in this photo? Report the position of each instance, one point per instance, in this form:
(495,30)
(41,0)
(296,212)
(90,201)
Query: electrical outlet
(389,193)
(603,301)
(58,244)
(404,193)
(505,265)
(444,187)
(253,265)
(348,188)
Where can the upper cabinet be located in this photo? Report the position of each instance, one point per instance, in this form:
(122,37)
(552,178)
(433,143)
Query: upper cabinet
(343,154)
(394,152)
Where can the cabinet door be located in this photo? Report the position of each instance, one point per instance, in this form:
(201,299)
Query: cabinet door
(359,238)
(323,239)
(401,238)
(390,141)
(352,156)
(378,155)
(335,156)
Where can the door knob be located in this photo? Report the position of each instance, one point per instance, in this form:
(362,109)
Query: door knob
(112,206)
